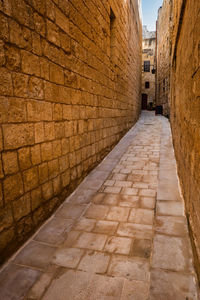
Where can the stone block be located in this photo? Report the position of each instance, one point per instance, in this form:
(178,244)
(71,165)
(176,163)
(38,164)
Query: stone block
(62,21)
(97,211)
(169,285)
(106,227)
(35,255)
(6,82)
(47,190)
(21,207)
(94,262)
(91,241)
(18,135)
(53,33)
(13,187)
(30,179)
(39,132)
(10,162)
(119,245)
(67,257)
(141,248)
(6,217)
(35,155)
(13,58)
(130,268)
(12,110)
(17,280)
(43,172)
(172,253)
(56,74)
(68,211)
(118,214)
(24,156)
(141,216)
(30,63)
(36,198)
(46,151)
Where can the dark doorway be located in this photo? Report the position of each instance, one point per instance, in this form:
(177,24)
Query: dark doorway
(144,101)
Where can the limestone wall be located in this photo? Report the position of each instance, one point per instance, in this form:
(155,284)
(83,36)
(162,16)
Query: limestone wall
(185,109)
(70,89)
(164,23)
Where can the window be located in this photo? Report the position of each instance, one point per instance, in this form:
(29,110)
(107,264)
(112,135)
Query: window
(147,85)
(147,66)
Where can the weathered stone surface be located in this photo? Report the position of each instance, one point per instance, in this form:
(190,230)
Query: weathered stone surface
(15,281)
(58,106)
(35,255)
(130,268)
(171,285)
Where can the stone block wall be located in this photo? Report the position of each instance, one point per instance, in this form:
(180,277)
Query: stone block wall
(69,90)
(185,109)
(163,50)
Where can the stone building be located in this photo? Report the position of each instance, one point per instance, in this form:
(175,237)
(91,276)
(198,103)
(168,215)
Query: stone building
(148,68)
(163,48)
(185,109)
(70,89)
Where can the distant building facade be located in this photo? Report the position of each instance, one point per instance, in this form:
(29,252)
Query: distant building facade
(148,68)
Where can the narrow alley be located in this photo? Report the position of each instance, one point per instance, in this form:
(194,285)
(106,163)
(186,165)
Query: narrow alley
(99,149)
(121,235)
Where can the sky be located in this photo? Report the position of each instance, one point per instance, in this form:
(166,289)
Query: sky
(149,12)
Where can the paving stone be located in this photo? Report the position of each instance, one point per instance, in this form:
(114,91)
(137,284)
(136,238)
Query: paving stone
(141,248)
(81,285)
(123,183)
(135,230)
(107,227)
(166,285)
(111,199)
(170,225)
(72,237)
(81,196)
(112,189)
(35,255)
(141,216)
(128,267)
(38,289)
(147,192)
(170,208)
(135,290)
(91,241)
(94,262)
(54,232)
(172,253)
(67,257)
(68,211)
(147,202)
(130,191)
(15,281)
(98,198)
(140,185)
(118,176)
(118,245)
(97,211)
(118,213)
(85,224)
(109,182)
(128,201)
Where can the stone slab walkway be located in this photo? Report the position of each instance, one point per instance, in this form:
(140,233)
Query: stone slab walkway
(121,235)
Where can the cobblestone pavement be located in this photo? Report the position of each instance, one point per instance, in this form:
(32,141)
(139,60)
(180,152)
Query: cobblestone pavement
(121,235)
